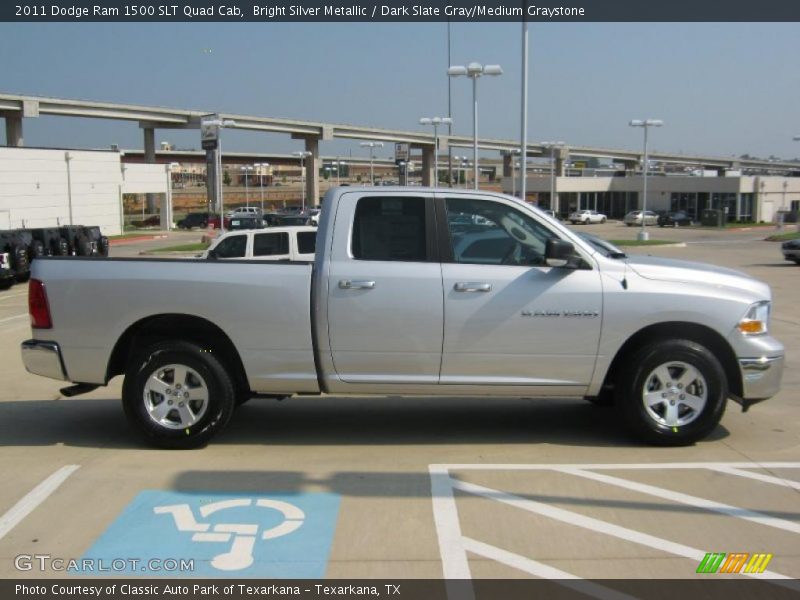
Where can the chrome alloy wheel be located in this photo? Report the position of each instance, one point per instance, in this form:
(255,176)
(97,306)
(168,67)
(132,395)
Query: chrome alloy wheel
(674,394)
(175,396)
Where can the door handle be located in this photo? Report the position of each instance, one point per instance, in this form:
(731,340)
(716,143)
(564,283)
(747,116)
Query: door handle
(347,284)
(471,286)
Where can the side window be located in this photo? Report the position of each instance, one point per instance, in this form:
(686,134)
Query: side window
(270,244)
(307,242)
(232,247)
(490,233)
(390,229)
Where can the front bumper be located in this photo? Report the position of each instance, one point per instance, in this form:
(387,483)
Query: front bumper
(43,358)
(761,379)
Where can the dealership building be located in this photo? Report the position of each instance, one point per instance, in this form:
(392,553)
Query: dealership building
(759,198)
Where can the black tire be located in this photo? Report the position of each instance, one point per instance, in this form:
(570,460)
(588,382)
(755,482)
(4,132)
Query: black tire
(6,282)
(632,382)
(797,261)
(84,246)
(603,220)
(37,249)
(220,401)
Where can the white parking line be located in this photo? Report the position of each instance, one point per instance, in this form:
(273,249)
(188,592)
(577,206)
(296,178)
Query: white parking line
(454,545)
(9,296)
(34,498)
(14,318)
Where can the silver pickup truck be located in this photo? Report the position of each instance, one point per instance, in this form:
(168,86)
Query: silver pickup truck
(412,292)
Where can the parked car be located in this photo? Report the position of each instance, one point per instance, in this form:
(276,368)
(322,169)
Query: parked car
(386,308)
(674,219)
(34,247)
(78,242)
(192,220)
(19,260)
(244,223)
(584,217)
(293,220)
(791,250)
(51,240)
(275,243)
(246,211)
(99,242)
(635,218)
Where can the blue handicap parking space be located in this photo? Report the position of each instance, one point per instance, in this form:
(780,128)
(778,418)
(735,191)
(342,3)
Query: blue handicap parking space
(275,535)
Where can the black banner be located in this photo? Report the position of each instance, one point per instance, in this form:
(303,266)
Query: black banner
(710,588)
(272,11)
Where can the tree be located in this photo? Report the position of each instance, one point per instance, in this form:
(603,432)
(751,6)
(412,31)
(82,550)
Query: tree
(226,178)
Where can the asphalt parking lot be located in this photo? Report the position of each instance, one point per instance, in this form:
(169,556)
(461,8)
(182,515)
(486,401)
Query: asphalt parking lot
(406,488)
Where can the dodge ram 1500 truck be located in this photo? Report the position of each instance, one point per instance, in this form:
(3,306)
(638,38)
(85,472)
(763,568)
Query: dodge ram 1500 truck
(412,292)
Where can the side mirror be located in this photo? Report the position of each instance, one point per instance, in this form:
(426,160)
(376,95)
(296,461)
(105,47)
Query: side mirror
(558,252)
(212,255)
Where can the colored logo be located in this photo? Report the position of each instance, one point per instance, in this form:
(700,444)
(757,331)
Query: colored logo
(243,535)
(736,562)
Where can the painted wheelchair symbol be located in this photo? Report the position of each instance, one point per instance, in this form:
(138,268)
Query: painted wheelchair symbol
(240,554)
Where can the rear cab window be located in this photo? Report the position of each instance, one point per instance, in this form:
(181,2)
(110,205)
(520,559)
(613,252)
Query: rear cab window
(271,244)
(391,229)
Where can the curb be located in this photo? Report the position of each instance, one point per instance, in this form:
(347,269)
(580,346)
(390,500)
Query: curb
(138,238)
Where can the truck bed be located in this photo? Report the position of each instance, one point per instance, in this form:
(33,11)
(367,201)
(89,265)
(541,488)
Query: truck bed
(263,307)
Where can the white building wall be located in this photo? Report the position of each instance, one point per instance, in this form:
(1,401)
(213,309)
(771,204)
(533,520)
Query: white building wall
(47,188)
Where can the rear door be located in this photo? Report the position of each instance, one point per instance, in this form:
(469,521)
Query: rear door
(385,313)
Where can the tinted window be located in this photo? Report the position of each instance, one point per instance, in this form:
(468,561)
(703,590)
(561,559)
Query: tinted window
(485,232)
(390,229)
(270,244)
(307,242)
(232,247)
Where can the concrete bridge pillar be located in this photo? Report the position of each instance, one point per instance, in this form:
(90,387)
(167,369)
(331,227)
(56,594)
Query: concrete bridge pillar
(507,158)
(150,158)
(428,166)
(14,132)
(312,164)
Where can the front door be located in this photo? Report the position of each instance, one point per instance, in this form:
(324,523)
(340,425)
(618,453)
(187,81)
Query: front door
(510,319)
(385,313)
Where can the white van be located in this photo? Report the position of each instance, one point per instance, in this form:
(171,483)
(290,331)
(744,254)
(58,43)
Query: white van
(274,243)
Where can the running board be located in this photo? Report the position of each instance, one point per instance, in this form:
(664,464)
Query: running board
(78,389)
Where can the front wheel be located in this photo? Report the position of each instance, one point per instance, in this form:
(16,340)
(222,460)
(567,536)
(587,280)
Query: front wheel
(674,394)
(178,395)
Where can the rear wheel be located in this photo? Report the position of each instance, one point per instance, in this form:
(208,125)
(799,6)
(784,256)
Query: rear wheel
(674,394)
(177,395)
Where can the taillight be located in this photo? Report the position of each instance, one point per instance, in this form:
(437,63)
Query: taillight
(38,307)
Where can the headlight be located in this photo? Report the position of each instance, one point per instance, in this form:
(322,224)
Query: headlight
(756,321)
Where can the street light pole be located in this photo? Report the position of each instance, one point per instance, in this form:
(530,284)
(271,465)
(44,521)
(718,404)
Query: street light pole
(245,169)
(523,134)
(645,124)
(371,146)
(436,121)
(302,155)
(474,71)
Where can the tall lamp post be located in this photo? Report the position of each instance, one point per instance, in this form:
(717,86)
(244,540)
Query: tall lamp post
(371,146)
(645,124)
(552,147)
(244,170)
(474,71)
(436,121)
(302,155)
(260,168)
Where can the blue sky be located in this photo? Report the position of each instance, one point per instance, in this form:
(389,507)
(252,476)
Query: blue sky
(723,89)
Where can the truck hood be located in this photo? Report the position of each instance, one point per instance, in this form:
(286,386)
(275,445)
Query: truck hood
(667,269)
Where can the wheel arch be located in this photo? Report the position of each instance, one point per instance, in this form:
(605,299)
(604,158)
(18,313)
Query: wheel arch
(165,327)
(695,332)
